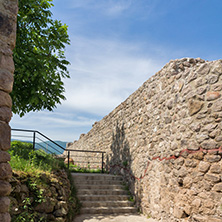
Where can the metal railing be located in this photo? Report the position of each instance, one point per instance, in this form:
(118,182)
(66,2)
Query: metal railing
(40,141)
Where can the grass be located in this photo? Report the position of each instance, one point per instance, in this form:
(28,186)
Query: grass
(36,167)
(24,158)
(78,169)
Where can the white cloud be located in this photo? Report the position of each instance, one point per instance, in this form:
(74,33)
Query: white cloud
(108,7)
(105,72)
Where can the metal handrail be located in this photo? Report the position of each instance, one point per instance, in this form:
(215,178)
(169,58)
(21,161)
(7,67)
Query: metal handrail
(67,150)
(35,131)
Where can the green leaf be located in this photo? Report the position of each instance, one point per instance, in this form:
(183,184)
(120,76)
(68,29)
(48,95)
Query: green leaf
(39,57)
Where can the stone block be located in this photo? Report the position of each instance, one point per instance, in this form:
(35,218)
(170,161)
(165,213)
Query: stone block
(211,79)
(191,163)
(217,187)
(212,96)
(212,158)
(5,188)
(203,166)
(11,6)
(178,212)
(8,28)
(5,136)
(209,145)
(4,157)
(6,80)
(212,177)
(47,206)
(4,204)
(194,106)
(204,69)
(216,168)
(5,114)
(5,217)
(5,171)
(5,99)
(6,62)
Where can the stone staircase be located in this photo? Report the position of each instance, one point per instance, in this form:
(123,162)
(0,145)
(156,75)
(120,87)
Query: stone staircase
(102,194)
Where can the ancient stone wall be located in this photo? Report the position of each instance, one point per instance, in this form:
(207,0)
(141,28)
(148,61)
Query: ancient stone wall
(166,140)
(8,14)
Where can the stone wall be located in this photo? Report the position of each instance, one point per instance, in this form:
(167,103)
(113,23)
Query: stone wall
(166,140)
(45,197)
(8,13)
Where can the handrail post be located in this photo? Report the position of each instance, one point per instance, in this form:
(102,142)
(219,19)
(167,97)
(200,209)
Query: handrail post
(34,140)
(68,158)
(102,163)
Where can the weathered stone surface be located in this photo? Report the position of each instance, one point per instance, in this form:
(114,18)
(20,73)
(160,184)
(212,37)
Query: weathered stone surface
(6,62)
(47,206)
(5,114)
(175,115)
(178,212)
(212,79)
(4,204)
(4,157)
(212,158)
(209,145)
(5,134)
(218,187)
(5,217)
(5,171)
(6,80)
(5,188)
(203,166)
(194,106)
(8,14)
(217,106)
(216,168)
(204,69)
(212,96)
(213,177)
(5,99)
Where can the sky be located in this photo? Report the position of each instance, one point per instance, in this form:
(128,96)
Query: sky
(116,45)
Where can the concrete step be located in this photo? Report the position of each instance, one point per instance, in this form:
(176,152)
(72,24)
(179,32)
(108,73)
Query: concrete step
(79,182)
(94,176)
(94,204)
(103,197)
(99,187)
(102,192)
(109,210)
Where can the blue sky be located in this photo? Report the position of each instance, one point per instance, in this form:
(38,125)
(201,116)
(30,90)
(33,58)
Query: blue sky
(116,45)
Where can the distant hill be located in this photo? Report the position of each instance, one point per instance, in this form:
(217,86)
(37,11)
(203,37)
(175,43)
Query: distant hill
(48,146)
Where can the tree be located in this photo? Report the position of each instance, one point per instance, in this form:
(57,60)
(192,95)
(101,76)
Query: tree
(40,63)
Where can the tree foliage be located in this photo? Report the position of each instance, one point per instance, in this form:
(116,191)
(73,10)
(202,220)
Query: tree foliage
(40,63)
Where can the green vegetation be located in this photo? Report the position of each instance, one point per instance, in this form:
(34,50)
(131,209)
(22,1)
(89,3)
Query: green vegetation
(39,57)
(126,187)
(24,158)
(37,170)
(78,169)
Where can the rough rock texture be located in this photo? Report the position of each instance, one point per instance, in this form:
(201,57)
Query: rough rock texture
(45,197)
(8,15)
(166,140)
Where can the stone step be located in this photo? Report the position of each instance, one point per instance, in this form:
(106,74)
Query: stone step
(99,187)
(118,204)
(79,182)
(103,197)
(109,210)
(102,192)
(94,176)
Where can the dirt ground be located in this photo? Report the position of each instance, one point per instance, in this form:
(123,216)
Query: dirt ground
(111,218)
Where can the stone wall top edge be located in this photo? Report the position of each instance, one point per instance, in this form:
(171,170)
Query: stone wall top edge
(185,61)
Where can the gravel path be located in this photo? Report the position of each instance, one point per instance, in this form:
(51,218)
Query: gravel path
(108,218)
